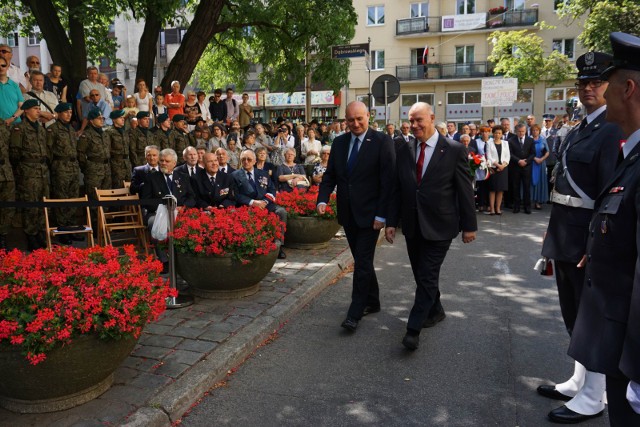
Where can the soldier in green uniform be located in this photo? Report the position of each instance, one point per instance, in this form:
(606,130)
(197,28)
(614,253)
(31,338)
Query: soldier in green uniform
(180,138)
(162,132)
(30,157)
(7,185)
(141,137)
(121,150)
(93,155)
(65,170)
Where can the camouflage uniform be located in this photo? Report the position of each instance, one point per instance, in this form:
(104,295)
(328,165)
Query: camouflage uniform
(93,155)
(140,138)
(30,156)
(65,170)
(163,139)
(179,141)
(121,152)
(7,184)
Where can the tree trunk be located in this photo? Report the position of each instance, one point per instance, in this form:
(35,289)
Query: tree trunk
(147,48)
(202,29)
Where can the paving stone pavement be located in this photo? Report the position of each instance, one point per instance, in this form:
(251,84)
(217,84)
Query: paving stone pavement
(185,352)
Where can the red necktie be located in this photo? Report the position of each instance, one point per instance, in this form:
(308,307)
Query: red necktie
(420,162)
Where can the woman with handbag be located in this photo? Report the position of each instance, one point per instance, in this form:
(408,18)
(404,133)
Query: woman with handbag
(289,174)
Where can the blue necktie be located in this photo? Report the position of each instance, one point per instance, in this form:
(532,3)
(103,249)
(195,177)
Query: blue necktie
(252,182)
(353,156)
(169,182)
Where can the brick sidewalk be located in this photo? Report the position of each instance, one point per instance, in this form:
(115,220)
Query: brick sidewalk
(188,350)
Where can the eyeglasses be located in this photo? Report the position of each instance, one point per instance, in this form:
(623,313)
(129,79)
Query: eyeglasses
(94,94)
(246,159)
(592,83)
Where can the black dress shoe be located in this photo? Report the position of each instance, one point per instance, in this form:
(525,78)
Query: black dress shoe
(551,392)
(432,321)
(281,254)
(370,309)
(527,211)
(516,210)
(411,342)
(350,324)
(564,415)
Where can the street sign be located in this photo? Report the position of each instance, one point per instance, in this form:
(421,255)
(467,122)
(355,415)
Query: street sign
(385,89)
(499,92)
(350,51)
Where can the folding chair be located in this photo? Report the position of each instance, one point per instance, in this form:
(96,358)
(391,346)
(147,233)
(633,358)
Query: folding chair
(56,231)
(124,220)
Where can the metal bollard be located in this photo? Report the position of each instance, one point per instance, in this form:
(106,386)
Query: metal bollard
(181,300)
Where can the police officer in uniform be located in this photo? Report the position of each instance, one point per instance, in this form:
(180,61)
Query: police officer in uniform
(30,157)
(162,132)
(65,169)
(7,185)
(140,138)
(586,162)
(604,325)
(121,150)
(93,155)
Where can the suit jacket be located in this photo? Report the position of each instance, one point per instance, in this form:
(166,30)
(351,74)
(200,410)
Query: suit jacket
(591,156)
(599,334)
(399,141)
(526,151)
(443,204)
(138,177)
(230,170)
(208,194)
(366,192)
(243,191)
(492,153)
(183,168)
(155,187)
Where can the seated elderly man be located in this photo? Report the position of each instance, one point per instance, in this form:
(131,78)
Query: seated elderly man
(253,187)
(211,185)
(152,154)
(169,181)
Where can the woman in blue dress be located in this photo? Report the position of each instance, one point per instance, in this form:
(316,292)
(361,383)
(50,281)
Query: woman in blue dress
(539,184)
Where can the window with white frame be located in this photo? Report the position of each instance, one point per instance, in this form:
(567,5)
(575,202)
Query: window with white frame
(465,7)
(407,100)
(377,59)
(34,39)
(419,9)
(515,4)
(566,46)
(375,15)
(460,98)
(561,93)
(12,39)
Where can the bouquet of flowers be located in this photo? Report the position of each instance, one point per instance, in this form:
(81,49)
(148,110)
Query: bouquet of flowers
(303,203)
(476,161)
(48,298)
(497,10)
(240,232)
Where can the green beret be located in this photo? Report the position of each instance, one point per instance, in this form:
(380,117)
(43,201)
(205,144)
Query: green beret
(163,117)
(116,114)
(142,114)
(63,106)
(93,114)
(179,118)
(29,103)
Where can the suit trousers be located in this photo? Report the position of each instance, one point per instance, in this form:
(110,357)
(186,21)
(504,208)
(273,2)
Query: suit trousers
(426,257)
(520,177)
(362,242)
(620,412)
(569,279)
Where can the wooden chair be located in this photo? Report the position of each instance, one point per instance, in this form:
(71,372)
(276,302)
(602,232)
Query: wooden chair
(54,231)
(127,185)
(122,221)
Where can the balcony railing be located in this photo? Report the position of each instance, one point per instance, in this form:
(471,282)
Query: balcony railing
(511,18)
(444,71)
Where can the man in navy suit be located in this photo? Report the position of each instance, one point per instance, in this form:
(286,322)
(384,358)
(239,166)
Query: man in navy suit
(254,187)
(152,154)
(361,165)
(211,185)
(433,195)
(522,149)
(190,165)
(223,158)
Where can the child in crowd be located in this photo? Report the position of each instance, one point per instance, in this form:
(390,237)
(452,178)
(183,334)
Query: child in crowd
(130,108)
(159,107)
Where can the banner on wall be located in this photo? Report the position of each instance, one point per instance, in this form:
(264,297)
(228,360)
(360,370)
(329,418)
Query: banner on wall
(296,99)
(499,92)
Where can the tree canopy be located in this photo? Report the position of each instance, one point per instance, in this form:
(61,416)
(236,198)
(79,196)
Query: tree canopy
(521,54)
(274,33)
(604,17)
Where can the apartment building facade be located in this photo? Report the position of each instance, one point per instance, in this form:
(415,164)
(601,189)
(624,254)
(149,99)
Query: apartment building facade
(438,51)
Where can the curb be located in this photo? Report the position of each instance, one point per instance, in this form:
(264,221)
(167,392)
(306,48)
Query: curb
(174,400)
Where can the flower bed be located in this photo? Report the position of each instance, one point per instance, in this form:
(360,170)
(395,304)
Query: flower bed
(49,298)
(303,203)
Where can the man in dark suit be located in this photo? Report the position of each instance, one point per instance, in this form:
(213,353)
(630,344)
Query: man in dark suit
(254,187)
(586,160)
(223,158)
(152,154)
(523,150)
(169,181)
(603,337)
(190,165)
(433,195)
(212,186)
(405,137)
(361,165)
(452,131)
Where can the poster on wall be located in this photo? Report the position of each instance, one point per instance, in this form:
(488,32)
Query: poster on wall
(499,92)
